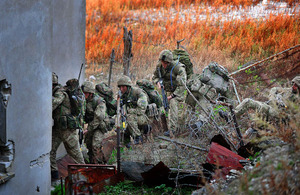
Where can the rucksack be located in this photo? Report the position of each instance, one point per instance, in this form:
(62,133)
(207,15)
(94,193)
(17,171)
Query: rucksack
(217,77)
(104,90)
(184,58)
(148,87)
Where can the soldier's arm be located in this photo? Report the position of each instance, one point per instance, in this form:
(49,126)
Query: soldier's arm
(181,81)
(57,99)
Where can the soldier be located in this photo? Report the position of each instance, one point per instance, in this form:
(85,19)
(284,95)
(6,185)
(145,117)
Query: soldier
(98,122)
(278,97)
(174,78)
(136,102)
(64,128)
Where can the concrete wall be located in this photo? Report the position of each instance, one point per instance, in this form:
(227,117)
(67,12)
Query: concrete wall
(36,38)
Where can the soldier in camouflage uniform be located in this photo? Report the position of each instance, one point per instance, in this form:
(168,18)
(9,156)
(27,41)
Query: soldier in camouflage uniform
(136,102)
(278,97)
(174,78)
(63,129)
(98,122)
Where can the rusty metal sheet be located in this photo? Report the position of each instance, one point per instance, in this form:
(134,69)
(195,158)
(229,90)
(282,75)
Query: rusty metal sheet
(223,157)
(87,178)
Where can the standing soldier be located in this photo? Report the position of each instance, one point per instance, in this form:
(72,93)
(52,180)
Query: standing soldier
(136,102)
(65,125)
(98,122)
(174,78)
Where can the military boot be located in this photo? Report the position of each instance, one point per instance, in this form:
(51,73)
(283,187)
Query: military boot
(147,129)
(54,175)
(138,139)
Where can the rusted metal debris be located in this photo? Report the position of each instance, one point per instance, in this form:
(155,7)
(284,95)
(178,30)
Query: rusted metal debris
(223,157)
(161,174)
(88,178)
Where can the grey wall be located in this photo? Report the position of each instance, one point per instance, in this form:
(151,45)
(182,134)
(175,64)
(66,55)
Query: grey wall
(36,38)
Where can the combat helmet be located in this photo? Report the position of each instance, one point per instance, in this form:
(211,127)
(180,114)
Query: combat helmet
(88,87)
(296,80)
(72,84)
(166,55)
(54,79)
(124,81)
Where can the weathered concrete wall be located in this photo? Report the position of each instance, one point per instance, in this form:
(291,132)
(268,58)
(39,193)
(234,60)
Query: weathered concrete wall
(36,38)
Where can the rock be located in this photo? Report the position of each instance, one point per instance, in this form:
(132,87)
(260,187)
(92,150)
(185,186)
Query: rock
(133,170)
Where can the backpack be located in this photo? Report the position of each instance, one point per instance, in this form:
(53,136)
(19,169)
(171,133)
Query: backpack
(217,77)
(104,90)
(148,87)
(184,58)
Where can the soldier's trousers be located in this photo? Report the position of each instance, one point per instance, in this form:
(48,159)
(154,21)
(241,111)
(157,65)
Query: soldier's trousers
(262,108)
(93,141)
(135,118)
(71,143)
(176,114)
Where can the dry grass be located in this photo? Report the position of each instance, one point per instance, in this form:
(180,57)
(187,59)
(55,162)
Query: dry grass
(229,43)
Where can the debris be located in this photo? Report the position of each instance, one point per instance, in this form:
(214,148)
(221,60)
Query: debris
(88,178)
(176,142)
(222,157)
(133,170)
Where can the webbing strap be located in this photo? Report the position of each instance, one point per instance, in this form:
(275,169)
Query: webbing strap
(172,71)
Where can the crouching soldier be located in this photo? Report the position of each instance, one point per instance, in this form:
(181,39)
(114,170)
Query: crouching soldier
(64,128)
(136,102)
(98,122)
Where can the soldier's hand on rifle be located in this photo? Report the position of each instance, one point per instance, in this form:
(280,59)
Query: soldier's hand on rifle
(169,97)
(158,85)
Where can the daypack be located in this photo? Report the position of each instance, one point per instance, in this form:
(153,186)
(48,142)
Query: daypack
(104,90)
(184,58)
(148,87)
(216,76)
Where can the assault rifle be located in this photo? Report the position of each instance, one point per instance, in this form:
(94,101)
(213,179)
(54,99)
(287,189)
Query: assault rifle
(164,96)
(118,131)
(122,112)
(80,132)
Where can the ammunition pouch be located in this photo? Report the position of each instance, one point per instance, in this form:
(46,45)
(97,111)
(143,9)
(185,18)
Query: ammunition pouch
(66,122)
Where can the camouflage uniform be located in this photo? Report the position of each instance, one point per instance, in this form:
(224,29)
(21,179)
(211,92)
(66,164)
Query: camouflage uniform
(174,79)
(136,102)
(278,98)
(98,123)
(61,131)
